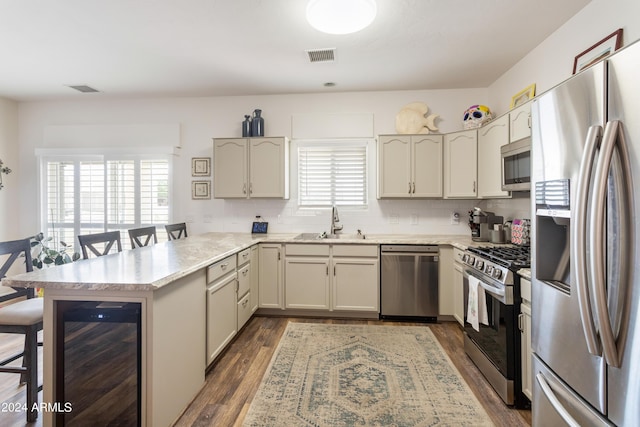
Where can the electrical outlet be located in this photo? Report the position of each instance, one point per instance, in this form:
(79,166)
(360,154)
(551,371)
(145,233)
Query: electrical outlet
(455,218)
(208,219)
(394,219)
(414,219)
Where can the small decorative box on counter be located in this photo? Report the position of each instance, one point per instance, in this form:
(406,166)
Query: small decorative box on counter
(520,231)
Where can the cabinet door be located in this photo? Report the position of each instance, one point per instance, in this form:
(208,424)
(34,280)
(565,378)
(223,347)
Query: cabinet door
(458,293)
(490,138)
(520,123)
(222,316)
(255,282)
(356,284)
(426,165)
(271,293)
(525,348)
(460,165)
(307,283)
(445,281)
(230,168)
(394,166)
(267,167)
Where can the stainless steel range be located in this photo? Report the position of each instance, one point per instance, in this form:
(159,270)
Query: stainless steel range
(494,346)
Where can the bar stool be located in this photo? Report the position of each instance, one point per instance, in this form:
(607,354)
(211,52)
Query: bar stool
(22,317)
(147,233)
(109,238)
(176,231)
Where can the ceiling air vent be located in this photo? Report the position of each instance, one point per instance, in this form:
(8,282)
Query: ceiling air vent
(322,55)
(84,88)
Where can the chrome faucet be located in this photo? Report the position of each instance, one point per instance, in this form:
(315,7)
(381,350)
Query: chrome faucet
(335,219)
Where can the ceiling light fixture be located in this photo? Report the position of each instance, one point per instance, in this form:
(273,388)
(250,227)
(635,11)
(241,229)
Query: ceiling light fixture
(341,16)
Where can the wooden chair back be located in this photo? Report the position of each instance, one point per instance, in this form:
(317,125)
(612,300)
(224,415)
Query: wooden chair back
(88,241)
(15,249)
(143,236)
(176,231)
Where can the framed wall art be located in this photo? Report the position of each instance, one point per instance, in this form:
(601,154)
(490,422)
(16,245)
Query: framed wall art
(201,166)
(598,51)
(201,190)
(523,96)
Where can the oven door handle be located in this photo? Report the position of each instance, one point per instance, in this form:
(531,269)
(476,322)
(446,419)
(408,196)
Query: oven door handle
(496,292)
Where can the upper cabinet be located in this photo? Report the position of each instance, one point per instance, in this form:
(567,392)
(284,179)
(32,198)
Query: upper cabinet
(520,122)
(461,165)
(251,168)
(491,137)
(410,166)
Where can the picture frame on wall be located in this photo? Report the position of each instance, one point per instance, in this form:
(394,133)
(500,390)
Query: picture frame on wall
(201,190)
(598,51)
(523,96)
(201,166)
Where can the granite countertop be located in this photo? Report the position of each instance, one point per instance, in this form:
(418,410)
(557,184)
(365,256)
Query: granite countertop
(150,268)
(525,272)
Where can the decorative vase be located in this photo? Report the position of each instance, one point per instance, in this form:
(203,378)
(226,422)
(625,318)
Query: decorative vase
(257,124)
(246,126)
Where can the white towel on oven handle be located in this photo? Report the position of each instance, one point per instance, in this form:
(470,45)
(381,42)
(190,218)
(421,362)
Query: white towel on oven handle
(477,304)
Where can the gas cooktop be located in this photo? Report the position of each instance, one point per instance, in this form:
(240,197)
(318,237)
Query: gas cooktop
(512,257)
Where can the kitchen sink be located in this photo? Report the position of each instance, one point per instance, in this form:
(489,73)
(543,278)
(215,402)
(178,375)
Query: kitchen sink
(325,236)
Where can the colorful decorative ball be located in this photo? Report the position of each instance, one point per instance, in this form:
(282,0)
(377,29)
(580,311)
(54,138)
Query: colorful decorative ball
(475,116)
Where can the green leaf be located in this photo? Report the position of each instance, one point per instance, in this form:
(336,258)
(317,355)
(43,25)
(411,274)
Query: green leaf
(63,243)
(47,260)
(76,256)
(59,260)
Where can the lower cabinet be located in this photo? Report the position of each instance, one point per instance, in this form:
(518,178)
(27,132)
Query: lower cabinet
(271,292)
(524,321)
(332,277)
(458,287)
(221,314)
(254,282)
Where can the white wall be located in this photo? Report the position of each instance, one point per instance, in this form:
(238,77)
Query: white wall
(10,194)
(201,119)
(552,61)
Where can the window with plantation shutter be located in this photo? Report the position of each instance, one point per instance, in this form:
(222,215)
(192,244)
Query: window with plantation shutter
(96,194)
(332,173)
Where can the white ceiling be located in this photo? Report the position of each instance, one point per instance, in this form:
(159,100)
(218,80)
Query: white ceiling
(148,48)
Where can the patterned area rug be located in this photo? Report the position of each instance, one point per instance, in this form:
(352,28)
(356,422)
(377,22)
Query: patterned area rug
(362,375)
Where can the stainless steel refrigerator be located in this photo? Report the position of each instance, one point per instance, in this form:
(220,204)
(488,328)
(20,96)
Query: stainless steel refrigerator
(585,260)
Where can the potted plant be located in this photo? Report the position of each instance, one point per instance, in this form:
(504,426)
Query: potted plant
(45,254)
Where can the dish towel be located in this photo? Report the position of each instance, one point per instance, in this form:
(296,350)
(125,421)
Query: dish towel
(477,306)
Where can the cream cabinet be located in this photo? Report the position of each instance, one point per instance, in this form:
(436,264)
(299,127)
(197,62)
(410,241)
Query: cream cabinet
(491,137)
(460,165)
(332,277)
(355,281)
(254,285)
(307,276)
(251,168)
(222,306)
(244,274)
(271,287)
(524,322)
(445,281)
(410,166)
(458,286)
(520,123)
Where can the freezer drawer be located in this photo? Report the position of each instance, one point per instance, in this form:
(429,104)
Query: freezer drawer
(552,397)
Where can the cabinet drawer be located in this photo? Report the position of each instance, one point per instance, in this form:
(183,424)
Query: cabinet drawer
(244,256)
(457,255)
(355,250)
(314,250)
(220,268)
(244,310)
(244,279)
(525,289)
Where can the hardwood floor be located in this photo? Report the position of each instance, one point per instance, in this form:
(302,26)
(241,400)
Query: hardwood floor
(234,379)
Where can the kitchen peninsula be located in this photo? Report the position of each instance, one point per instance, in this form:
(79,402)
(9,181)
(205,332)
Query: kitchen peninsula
(169,282)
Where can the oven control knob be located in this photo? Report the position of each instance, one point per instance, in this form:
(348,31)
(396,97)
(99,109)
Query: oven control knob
(489,270)
(479,264)
(471,260)
(497,273)
(465,258)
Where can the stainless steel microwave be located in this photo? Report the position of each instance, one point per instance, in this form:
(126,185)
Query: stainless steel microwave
(516,165)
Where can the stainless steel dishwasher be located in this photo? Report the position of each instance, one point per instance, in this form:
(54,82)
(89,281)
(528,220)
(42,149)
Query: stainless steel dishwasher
(409,282)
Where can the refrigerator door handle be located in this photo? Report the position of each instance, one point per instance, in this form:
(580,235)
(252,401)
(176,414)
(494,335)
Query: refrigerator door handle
(549,394)
(578,237)
(612,139)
